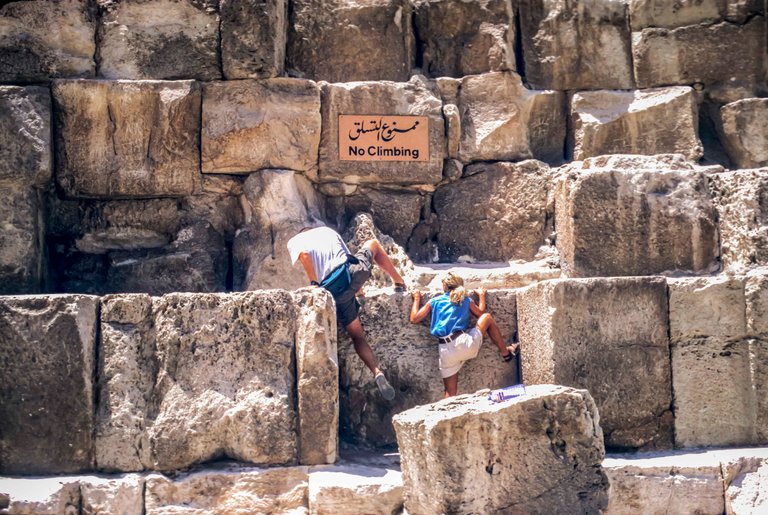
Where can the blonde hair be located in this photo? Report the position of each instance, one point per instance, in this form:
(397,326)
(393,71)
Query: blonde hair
(455,285)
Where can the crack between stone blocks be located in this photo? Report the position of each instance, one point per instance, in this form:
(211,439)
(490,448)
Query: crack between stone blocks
(671,369)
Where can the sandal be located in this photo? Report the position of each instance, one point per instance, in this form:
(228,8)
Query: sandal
(512,352)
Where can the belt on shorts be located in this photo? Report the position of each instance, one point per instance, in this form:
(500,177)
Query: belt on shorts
(450,337)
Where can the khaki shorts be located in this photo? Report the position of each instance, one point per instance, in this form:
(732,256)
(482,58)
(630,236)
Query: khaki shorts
(454,353)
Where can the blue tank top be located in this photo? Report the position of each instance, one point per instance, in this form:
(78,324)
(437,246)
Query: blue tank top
(447,317)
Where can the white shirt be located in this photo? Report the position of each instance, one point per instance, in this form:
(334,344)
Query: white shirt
(324,246)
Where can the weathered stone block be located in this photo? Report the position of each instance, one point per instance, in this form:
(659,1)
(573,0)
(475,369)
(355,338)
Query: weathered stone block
(252,125)
(661,13)
(602,335)
(278,204)
(501,120)
(412,98)
(408,355)
(700,53)
(25,135)
(669,483)
(50,495)
(633,215)
(544,447)
(743,217)
(143,138)
(253,38)
(655,121)
(47,350)
(21,241)
(707,307)
(122,494)
(574,44)
(40,40)
(234,490)
(465,38)
(159,39)
(746,479)
(349,40)
(512,222)
(744,129)
(756,293)
(355,489)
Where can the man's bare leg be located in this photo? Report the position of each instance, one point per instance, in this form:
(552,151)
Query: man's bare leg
(382,259)
(451,385)
(360,342)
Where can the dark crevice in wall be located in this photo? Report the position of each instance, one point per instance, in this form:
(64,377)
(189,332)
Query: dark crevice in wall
(519,53)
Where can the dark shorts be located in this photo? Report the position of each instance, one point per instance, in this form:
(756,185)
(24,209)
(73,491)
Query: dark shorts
(347,307)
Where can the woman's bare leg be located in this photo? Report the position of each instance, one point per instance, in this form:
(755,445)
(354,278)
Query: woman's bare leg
(451,385)
(382,259)
(486,324)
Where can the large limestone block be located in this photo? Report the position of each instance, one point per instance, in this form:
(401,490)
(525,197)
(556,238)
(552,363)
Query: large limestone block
(111,494)
(317,377)
(571,44)
(746,483)
(633,215)
(251,125)
(25,135)
(47,350)
(756,293)
(539,453)
(159,39)
(233,490)
(602,335)
(355,489)
(665,483)
(40,40)
(408,355)
(143,138)
(38,496)
(350,40)
(512,220)
(745,132)
(501,120)
(705,307)
(654,121)
(253,38)
(465,38)
(21,241)
(222,373)
(743,217)
(700,53)
(277,204)
(661,13)
(414,98)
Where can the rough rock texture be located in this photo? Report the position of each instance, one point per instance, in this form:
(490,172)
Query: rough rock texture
(408,355)
(46,396)
(741,199)
(655,121)
(756,292)
(221,376)
(602,335)
(122,494)
(25,168)
(713,363)
(499,212)
(744,129)
(545,448)
(746,484)
(459,38)
(700,53)
(159,39)
(317,377)
(501,120)
(233,490)
(253,38)
(251,125)
(662,13)
(571,44)
(355,489)
(669,483)
(414,98)
(40,40)
(143,138)
(633,215)
(54,496)
(277,205)
(350,40)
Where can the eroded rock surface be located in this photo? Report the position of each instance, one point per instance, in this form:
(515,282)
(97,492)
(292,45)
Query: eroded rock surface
(160,39)
(253,38)
(143,138)
(355,489)
(655,121)
(47,349)
(745,132)
(602,334)
(545,447)
(632,215)
(40,40)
